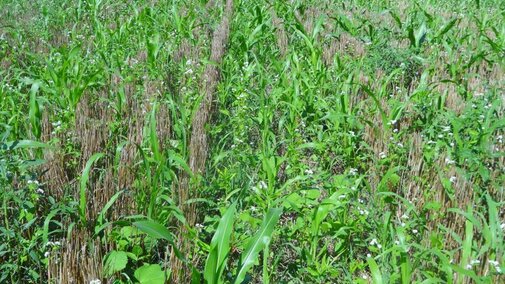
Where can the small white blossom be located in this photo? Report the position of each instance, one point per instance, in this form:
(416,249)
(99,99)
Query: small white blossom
(382,155)
(449,161)
(368,255)
(453,179)
(95,281)
(263,185)
(40,191)
(475,261)
(493,262)
(47,254)
(353,171)
(414,231)
(309,172)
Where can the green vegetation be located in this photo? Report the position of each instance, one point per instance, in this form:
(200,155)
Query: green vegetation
(324,141)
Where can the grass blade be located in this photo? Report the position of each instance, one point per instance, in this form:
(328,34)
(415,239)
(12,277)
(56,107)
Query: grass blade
(84,182)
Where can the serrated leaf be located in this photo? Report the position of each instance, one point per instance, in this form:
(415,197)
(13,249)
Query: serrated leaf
(115,261)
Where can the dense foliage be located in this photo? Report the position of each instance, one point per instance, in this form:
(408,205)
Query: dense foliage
(348,141)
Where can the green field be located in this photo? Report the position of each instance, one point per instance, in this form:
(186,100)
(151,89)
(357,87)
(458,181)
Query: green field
(252,141)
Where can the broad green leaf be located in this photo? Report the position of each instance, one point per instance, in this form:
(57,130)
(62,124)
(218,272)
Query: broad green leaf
(219,247)
(257,243)
(150,274)
(115,261)
(154,230)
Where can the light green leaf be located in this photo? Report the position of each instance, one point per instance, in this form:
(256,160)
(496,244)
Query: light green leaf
(150,274)
(84,182)
(257,243)
(219,247)
(115,261)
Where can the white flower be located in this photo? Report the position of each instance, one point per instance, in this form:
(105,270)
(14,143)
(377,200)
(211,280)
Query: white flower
(414,231)
(309,172)
(449,161)
(189,62)
(189,71)
(475,261)
(395,130)
(399,145)
(493,262)
(404,216)
(446,128)
(352,133)
(95,281)
(47,254)
(392,122)
(353,171)
(263,185)
(342,196)
(440,136)
(373,242)
(363,212)
(453,179)
(40,191)
(368,255)
(469,266)
(382,155)
(502,226)
(397,243)
(199,226)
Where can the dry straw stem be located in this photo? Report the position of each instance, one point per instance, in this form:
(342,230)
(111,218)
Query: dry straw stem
(198,146)
(79,261)
(280,33)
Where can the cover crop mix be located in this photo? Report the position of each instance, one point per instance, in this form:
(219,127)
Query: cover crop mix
(312,141)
